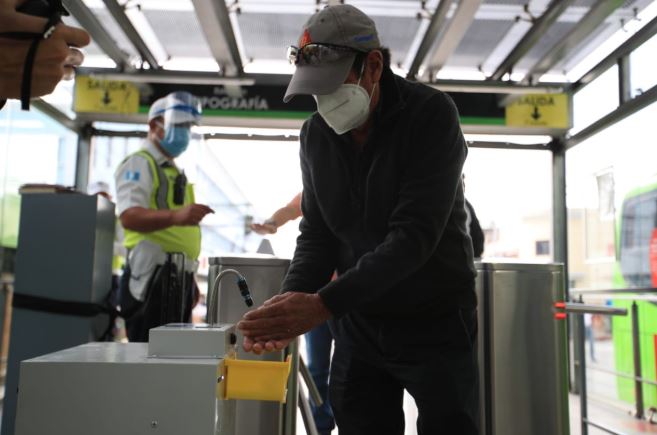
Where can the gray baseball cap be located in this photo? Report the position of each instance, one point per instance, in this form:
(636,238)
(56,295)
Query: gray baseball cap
(340,26)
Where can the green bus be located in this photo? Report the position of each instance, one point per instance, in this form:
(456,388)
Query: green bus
(636,266)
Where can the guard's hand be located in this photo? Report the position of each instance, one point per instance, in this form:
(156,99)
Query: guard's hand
(264,228)
(190,215)
(55,59)
(281,319)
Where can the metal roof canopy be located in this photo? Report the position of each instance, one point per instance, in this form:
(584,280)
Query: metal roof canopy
(423,35)
(215,21)
(98,33)
(118,12)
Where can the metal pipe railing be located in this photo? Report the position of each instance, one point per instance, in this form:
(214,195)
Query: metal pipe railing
(313,392)
(622,375)
(603,427)
(578,310)
(637,290)
(636,354)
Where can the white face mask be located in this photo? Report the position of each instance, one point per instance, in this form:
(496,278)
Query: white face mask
(346,108)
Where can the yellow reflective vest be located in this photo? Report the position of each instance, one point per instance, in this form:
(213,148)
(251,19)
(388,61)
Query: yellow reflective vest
(185,239)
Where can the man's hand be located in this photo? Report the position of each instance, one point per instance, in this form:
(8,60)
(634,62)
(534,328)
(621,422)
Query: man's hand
(281,319)
(55,59)
(258,347)
(190,215)
(264,228)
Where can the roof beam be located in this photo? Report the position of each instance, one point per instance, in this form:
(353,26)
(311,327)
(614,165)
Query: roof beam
(562,49)
(453,34)
(214,17)
(128,28)
(507,145)
(98,33)
(51,111)
(540,27)
(634,42)
(436,23)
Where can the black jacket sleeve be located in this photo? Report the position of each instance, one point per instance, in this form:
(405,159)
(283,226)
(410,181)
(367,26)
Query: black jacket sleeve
(314,258)
(426,196)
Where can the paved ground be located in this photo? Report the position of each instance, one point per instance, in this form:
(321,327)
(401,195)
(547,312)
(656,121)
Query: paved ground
(603,406)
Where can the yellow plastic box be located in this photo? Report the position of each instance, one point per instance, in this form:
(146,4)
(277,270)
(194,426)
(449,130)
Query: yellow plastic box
(256,380)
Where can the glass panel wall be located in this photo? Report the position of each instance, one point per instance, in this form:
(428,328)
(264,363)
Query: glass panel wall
(243,181)
(595,100)
(511,193)
(33,149)
(223,232)
(612,225)
(643,72)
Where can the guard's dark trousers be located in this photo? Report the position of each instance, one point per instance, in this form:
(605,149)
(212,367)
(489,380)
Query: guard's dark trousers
(434,359)
(170,297)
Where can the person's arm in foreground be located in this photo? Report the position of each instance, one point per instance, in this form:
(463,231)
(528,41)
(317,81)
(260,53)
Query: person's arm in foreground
(56,57)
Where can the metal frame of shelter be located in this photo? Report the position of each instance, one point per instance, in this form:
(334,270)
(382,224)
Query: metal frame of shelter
(215,22)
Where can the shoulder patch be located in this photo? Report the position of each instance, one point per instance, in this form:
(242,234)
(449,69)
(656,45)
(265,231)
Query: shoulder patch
(132,175)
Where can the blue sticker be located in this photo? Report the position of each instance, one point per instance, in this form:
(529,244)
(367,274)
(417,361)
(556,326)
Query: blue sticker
(132,175)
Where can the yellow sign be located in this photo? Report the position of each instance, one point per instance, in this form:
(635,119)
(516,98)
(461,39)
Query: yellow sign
(539,110)
(105,96)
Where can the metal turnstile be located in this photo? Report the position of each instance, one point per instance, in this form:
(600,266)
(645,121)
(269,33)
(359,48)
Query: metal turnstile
(522,349)
(64,254)
(264,275)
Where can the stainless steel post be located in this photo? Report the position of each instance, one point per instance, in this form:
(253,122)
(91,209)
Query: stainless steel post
(636,352)
(307,415)
(290,408)
(313,392)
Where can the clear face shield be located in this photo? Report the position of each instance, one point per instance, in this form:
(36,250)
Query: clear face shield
(181,113)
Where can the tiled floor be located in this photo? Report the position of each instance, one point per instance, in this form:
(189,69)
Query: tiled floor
(610,415)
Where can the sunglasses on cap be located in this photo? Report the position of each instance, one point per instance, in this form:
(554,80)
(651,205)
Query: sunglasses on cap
(317,54)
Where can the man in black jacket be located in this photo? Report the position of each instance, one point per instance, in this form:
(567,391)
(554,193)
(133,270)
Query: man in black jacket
(383,205)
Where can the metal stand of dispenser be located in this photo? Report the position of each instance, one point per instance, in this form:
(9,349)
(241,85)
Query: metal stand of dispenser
(65,248)
(264,274)
(522,349)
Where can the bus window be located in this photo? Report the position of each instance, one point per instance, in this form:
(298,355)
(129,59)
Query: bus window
(638,221)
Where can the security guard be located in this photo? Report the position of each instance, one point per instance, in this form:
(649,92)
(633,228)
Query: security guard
(161,221)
